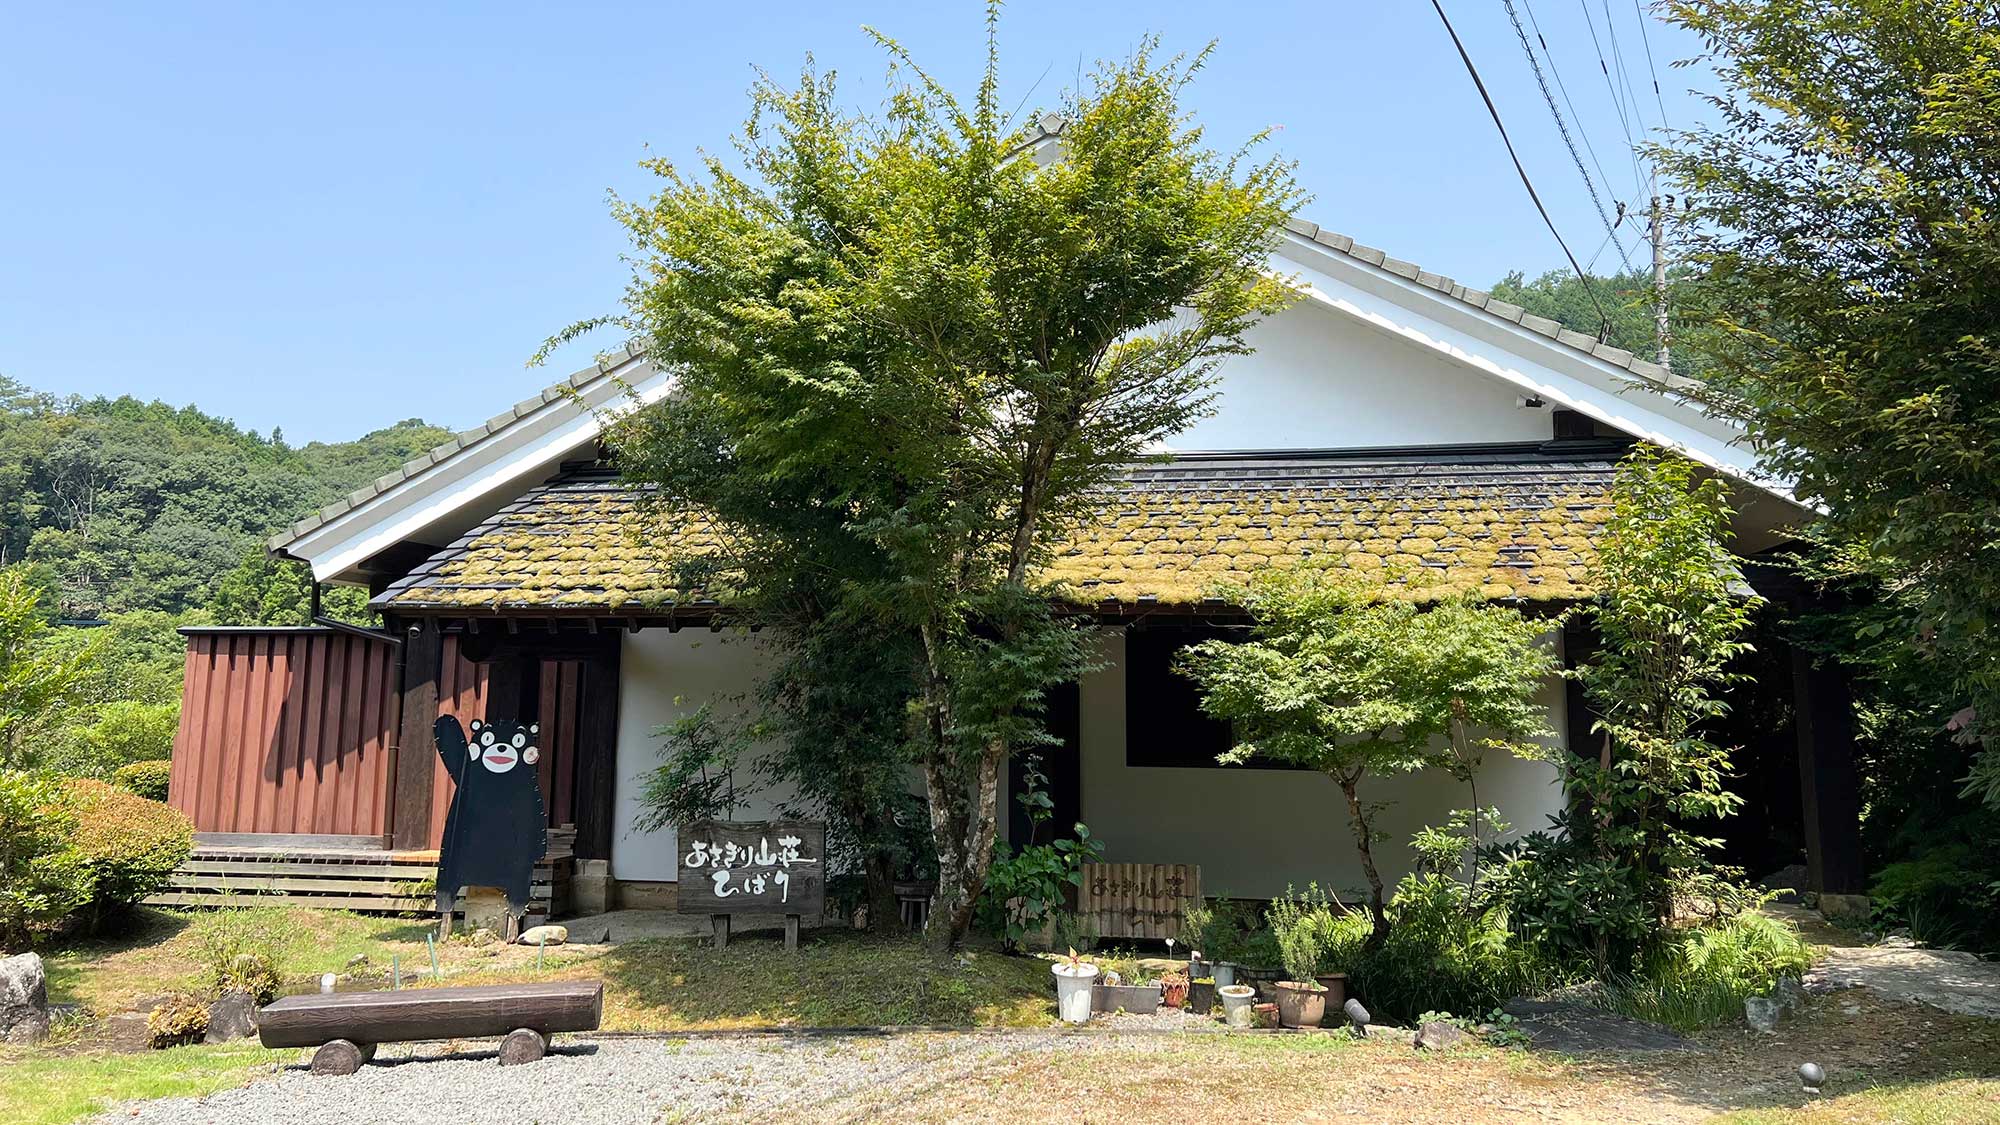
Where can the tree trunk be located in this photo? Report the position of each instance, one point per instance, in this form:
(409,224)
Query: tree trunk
(885,914)
(967,836)
(1377,905)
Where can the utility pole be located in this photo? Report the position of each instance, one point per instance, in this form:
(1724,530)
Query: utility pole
(1659,240)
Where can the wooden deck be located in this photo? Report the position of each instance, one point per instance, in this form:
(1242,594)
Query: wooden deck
(227,870)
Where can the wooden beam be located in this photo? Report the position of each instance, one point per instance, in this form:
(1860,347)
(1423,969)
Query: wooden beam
(430,1013)
(596,755)
(416,757)
(1829,788)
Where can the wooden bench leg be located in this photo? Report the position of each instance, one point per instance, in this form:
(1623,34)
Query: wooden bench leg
(341,1056)
(523,1045)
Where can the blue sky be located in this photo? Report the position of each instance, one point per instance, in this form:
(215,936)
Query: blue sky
(329,217)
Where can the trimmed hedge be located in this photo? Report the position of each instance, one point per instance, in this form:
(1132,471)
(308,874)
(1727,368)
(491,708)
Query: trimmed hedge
(130,845)
(145,779)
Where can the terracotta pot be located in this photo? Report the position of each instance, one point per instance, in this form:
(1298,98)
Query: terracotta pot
(1336,990)
(1300,1004)
(1266,1014)
(1173,994)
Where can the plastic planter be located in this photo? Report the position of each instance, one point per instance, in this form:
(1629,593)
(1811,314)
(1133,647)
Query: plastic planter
(1238,1004)
(1073,1000)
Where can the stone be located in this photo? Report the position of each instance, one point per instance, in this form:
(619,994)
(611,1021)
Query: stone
(482,936)
(1569,1027)
(1846,909)
(1761,1013)
(1437,1035)
(590,886)
(357,960)
(24,999)
(545,935)
(233,1016)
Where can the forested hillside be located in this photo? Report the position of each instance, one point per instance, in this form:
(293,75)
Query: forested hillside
(148,517)
(122,505)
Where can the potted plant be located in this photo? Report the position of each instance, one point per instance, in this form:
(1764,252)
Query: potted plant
(1174,988)
(1238,1001)
(1201,995)
(1073,993)
(1302,928)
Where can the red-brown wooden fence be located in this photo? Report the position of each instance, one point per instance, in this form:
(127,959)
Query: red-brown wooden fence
(291,731)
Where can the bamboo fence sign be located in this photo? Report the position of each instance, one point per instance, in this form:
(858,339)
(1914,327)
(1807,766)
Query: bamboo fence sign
(1138,900)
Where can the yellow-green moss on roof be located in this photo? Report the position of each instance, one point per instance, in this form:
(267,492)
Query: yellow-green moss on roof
(1515,523)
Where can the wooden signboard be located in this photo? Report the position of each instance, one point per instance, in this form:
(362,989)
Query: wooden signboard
(1138,900)
(752,867)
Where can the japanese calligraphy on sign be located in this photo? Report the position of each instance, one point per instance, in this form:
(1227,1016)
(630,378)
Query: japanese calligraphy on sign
(1138,899)
(752,867)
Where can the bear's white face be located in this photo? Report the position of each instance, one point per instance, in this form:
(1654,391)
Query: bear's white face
(500,755)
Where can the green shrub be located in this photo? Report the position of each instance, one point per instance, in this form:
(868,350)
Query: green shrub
(1314,935)
(1444,953)
(145,779)
(242,947)
(43,881)
(1701,976)
(1226,930)
(1025,889)
(1946,896)
(177,1021)
(130,844)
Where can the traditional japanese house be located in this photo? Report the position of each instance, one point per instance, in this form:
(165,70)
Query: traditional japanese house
(1391,422)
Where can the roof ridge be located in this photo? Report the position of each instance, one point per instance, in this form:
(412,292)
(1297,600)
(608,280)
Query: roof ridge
(577,380)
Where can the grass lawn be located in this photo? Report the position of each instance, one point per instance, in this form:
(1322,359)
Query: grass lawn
(45,1088)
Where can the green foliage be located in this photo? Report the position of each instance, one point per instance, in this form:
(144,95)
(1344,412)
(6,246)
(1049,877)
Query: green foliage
(263,590)
(1226,930)
(1336,681)
(1612,881)
(1700,977)
(697,779)
(42,879)
(1627,299)
(149,779)
(1314,934)
(1025,888)
(130,845)
(1444,951)
(33,680)
(241,947)
(907,350)
(177,1021)
(1947,895)
(1843,223)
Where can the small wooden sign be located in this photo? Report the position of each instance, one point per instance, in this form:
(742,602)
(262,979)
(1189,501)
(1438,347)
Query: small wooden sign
(752,867)
(1138,900)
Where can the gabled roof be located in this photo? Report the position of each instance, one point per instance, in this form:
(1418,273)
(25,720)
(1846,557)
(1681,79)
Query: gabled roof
(1504,521)
(448,488)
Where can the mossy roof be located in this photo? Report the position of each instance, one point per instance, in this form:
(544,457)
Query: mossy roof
(1514,522)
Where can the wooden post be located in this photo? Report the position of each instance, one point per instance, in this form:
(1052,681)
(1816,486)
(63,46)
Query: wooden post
(1579,647)
(1829,789)
(791,933)
(416,752)
(596,755)
(719,923)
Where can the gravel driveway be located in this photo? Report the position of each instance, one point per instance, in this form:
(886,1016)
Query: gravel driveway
(605,1081)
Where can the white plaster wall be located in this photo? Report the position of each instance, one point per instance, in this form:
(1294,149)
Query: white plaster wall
(1319,380)
(1255,831)
(664,676)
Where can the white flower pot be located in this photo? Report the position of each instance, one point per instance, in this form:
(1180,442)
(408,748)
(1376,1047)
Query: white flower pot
(1073,991)
(1237,1004)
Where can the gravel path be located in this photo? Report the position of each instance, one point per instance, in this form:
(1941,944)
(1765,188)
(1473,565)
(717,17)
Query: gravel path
(607,1081)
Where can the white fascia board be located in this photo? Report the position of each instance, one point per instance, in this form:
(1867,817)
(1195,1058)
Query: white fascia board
(474,475)
(1539,366)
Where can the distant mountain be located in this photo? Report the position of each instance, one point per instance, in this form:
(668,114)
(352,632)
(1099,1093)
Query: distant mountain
(130,505)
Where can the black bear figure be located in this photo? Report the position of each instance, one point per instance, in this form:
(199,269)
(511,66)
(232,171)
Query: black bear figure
(496,830)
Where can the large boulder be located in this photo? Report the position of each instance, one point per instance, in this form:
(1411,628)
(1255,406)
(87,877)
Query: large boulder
(24,999)
(232,1016)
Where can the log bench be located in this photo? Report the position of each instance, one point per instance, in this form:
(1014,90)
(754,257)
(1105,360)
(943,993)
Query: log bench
(347,1026)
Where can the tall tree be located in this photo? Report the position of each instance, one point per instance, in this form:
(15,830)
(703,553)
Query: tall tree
(1845,212)
(33,680)
(915,328)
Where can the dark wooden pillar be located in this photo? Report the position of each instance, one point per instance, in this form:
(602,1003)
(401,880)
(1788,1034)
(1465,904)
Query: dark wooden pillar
(1579,647)
(1828,785)
(513,683)
(596,754)
(416,752)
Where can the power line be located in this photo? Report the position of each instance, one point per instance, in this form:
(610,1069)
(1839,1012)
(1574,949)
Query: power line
(1604,321)
(1624,73)
(1563,128)
(1563,88)
(1646,40)
(1640,181)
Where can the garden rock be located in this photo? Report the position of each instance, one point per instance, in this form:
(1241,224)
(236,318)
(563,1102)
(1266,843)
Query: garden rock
(544,935)
(1437,1035)
(233,1016)
(24,999)
(1556,1025)
(1761,1013)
